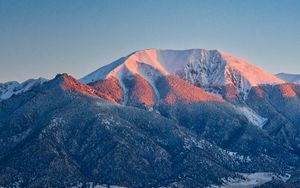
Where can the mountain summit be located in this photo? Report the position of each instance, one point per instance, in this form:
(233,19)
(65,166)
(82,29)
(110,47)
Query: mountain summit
(223,74)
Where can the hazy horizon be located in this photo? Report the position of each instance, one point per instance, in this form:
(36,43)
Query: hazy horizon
(43,38)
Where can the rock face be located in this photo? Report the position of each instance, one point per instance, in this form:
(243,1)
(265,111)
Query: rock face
(156,118)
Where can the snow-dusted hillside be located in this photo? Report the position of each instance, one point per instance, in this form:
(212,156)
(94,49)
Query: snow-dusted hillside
(291,78)
(205,68)
(65,136)
(9,89)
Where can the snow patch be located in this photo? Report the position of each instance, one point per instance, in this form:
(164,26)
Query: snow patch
(250,180)
(239,157)
(252,116)
(193,142)
(95,185)
(107,122)
(119,77)
(54,124)
(190,142)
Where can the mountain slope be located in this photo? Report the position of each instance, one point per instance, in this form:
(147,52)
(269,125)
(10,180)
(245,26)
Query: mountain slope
(280,104)
(291,78)
(150,78)
(62,134)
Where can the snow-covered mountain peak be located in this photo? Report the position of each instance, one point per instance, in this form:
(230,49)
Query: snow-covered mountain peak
(163,61)
(204,68)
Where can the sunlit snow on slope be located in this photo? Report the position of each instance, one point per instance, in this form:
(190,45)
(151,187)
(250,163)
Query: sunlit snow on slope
(100,73)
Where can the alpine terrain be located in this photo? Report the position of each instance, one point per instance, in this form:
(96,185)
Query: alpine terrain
(155,118)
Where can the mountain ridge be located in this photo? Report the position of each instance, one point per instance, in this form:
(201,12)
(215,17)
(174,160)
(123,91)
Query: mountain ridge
(141,122)
(11,88)
(292,78)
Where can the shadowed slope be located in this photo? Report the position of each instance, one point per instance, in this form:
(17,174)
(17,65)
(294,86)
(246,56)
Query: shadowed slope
(281,105)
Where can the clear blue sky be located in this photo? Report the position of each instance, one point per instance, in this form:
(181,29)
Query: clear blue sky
(45,37)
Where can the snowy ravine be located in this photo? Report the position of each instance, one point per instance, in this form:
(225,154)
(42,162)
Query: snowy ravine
(252,116)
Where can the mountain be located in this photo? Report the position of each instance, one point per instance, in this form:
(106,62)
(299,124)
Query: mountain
(62,134)
(212,70)
(291,78)
(9,89)
(155,118)
(147,79)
